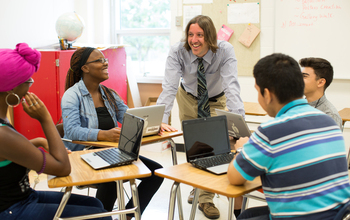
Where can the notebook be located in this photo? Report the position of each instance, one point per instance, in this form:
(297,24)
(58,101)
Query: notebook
(128,147)
(206,139)
(237,127)
(152,115)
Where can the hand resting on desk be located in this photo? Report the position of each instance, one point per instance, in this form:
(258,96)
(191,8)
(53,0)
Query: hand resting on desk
(111,135)
(166,127)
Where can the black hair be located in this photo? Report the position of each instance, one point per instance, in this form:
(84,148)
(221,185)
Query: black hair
(323,68)
(75,73)
(280,74)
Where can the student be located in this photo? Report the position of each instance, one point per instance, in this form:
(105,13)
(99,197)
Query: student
(18,155)
(90,112)
(318,75)
(302,177)
(198,60)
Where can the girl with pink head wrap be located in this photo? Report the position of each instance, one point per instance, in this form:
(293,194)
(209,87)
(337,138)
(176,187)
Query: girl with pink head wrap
(18,155)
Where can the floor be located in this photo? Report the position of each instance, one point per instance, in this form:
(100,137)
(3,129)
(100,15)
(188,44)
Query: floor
(158,207)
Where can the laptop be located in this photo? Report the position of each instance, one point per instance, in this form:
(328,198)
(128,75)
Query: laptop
(152,115)
(128,147)
(207,143)
(237,127)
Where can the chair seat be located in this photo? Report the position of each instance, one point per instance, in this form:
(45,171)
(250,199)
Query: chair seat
(344,212)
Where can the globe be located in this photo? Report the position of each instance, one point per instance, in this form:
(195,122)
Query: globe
(69,26)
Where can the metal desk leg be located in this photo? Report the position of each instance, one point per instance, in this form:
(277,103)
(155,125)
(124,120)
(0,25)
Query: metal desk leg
(244,204)
(173,151)
(173,193)
(194,203)
(230,208)
(120,196)
(63,203)
(135,199)
(179,199)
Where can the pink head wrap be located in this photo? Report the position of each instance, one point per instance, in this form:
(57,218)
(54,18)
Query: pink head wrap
(17,66)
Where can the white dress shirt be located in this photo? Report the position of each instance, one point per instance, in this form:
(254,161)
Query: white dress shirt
(220,72)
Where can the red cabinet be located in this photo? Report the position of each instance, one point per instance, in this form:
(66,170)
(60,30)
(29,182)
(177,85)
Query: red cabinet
(50,81)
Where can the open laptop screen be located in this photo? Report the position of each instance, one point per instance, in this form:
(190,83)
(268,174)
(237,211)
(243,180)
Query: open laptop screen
(205,137)
(131,134)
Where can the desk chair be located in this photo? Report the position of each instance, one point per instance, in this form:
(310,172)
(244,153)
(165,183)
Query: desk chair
(344,213)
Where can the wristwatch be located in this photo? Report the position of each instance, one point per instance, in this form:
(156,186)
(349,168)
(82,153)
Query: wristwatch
(239,150)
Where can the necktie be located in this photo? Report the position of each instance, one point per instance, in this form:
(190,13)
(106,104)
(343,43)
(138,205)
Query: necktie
(202,92)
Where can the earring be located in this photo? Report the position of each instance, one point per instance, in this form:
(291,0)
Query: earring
(19,100)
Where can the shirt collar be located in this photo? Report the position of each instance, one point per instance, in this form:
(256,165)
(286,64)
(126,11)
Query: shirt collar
(207,57)
(318,101)
(291,105)
(84,91)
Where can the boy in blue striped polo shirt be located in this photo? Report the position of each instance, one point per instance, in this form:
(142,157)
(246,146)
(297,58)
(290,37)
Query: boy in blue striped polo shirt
(299,155)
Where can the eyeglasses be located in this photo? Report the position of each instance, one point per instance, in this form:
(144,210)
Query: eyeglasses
(30,81)
(101,60)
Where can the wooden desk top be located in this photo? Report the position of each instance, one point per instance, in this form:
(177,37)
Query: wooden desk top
(345,114)
(188,174)
(252,108)
(83,174)
(145,140)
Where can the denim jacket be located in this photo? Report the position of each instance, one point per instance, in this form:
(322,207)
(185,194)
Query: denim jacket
(79,115)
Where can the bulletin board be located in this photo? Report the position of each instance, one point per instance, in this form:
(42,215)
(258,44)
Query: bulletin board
(246,57)
(316,29)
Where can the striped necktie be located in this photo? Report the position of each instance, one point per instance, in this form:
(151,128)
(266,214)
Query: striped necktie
(202,92)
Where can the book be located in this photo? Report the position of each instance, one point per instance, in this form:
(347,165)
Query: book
(249,35)
(225,33)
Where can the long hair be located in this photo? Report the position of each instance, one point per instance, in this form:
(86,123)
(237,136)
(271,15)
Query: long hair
(75,73)
(208,27)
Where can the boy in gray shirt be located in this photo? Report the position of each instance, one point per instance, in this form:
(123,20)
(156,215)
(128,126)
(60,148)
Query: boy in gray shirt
(318,75)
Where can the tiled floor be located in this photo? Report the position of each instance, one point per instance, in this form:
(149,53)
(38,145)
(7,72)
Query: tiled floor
(158,207)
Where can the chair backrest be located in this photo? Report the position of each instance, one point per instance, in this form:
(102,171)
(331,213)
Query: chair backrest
(60,130)
(344,212)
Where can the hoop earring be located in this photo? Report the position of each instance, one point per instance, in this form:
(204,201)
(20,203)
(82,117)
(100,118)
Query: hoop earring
(19,100)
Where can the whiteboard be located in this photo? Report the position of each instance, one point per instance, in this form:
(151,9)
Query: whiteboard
(315,28)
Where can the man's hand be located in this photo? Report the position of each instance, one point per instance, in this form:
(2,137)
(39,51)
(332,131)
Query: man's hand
(166,127)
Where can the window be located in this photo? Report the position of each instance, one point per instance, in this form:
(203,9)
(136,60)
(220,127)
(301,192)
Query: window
(144,25)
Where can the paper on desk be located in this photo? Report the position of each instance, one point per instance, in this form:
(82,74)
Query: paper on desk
(243,13)
(249,35)
(189,13)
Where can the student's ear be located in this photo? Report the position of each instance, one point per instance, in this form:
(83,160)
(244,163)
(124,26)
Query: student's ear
(85,68)
(321,82)
(267,96)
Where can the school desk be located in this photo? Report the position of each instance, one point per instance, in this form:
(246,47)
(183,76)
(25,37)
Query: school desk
(83,174)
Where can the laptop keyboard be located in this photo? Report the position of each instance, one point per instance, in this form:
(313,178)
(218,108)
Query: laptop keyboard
(112,156)
(214,161)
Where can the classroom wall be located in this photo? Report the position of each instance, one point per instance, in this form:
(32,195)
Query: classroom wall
(338,92)
(34,23)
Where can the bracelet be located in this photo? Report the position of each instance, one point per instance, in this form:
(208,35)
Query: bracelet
(44,163)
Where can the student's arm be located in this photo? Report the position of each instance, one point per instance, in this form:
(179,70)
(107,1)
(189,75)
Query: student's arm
(233,175)
(40,142)
(16,148)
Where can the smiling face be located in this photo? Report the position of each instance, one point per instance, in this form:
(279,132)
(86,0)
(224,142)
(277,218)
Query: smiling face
(196,40)
(96,69)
